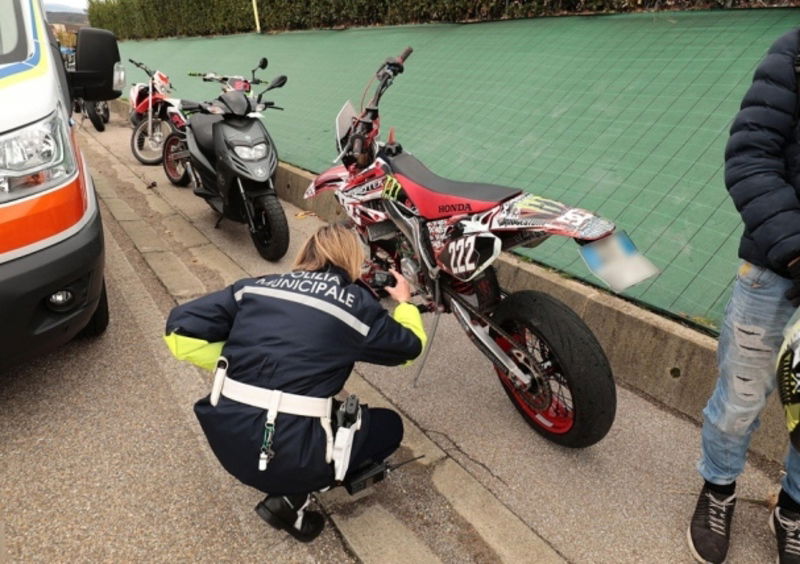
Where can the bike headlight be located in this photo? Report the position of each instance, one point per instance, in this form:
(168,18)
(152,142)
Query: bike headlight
(253,153)
(34,158)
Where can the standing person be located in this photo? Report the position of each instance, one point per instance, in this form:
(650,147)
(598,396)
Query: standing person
(762,174)
(287,344)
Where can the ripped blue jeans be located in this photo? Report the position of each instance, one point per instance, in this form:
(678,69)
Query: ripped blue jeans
(751,335)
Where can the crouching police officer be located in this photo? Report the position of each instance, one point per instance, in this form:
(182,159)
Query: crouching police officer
(281,347)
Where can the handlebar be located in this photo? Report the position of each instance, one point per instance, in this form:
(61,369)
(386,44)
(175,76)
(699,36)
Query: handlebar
(142,66)
(405,54)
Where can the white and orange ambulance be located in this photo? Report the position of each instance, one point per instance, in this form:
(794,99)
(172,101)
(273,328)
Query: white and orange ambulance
(51,238)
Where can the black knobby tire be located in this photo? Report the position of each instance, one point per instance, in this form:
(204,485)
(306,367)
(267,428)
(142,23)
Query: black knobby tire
(99,321)
(272,231)
(105,112)
(583,399)
(175,169)
(94,117)
(141,147)
(134,118)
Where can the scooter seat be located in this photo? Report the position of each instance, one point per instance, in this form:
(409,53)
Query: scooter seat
(203,128)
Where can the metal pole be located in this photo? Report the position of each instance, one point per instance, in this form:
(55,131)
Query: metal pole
(255,14)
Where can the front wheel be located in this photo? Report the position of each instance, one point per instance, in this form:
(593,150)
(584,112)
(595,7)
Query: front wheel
(104,111)
(271,236)
(146,146)
(175,168)
(573,401)
(94,117)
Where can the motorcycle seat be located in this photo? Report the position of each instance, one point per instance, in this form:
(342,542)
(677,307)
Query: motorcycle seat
(409,166)
(203,128)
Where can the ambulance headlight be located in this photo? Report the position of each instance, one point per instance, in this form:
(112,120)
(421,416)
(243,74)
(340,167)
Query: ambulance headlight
(253,153)
(34,158)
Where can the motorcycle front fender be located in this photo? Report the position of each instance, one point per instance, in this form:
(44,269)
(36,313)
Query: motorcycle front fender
(332,179)
(144,105)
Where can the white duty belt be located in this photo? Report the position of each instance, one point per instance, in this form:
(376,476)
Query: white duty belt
(274,402)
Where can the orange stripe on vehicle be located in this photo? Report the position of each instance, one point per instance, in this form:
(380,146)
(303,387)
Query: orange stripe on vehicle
(39,218)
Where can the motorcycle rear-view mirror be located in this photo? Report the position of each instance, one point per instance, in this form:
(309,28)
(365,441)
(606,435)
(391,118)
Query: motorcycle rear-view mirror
(277,82)
(262,64)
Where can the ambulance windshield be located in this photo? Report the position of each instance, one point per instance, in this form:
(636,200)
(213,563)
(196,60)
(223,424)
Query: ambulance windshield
(13,43)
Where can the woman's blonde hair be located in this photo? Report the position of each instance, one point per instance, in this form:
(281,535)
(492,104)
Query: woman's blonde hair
(335,245)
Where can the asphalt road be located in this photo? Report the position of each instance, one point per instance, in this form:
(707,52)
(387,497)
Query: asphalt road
(101,459)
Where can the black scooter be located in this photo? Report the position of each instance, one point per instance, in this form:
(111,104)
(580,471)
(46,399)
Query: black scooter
(232,158)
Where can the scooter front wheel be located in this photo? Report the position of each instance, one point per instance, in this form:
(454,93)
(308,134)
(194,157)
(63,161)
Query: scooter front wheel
(571,399)
(271,237)
(148,147)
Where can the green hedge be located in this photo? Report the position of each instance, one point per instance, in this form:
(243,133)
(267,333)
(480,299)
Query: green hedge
(139,19)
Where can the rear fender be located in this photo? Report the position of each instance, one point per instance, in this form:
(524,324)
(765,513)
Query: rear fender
(528,212)
(332,179)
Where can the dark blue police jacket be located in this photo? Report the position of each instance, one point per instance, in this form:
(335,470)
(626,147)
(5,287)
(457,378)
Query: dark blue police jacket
(762,161)
(300,333)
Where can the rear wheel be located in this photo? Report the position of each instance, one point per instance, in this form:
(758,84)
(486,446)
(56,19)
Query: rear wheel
(271,236)
(148,147)
(175,168)
(94,117)
(573,402)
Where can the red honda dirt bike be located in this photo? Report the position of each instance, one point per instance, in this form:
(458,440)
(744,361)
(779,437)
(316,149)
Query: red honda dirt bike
(150,115)
(444,235)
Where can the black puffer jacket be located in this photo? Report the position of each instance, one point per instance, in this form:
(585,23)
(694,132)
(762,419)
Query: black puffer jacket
(762,161)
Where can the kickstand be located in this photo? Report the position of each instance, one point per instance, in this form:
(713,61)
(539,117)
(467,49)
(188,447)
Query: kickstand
(221,217)
(438,313)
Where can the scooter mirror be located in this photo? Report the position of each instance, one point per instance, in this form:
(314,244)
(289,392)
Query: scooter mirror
(277,82)
(262,64)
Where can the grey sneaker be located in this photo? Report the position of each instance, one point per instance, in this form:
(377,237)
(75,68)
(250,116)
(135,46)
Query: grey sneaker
(710,530)
(786,527)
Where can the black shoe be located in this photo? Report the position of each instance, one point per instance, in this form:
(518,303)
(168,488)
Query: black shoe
(289,513)
(785,525)
(710,530)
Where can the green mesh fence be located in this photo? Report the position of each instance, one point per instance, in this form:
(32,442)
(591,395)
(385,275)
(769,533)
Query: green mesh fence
(625,115)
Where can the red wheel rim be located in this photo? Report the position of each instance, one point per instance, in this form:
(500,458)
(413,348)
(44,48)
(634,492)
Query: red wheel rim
(170,163)
(559,417)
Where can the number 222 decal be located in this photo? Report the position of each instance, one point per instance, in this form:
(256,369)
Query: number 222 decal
(461,251)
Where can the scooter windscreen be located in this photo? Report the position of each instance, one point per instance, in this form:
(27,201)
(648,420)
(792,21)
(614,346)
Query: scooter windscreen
(236,102)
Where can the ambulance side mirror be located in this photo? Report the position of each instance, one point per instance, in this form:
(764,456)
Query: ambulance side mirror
(98,74)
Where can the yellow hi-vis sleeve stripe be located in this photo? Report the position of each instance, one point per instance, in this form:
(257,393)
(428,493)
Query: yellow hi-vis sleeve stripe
(408,316)
(197,351)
